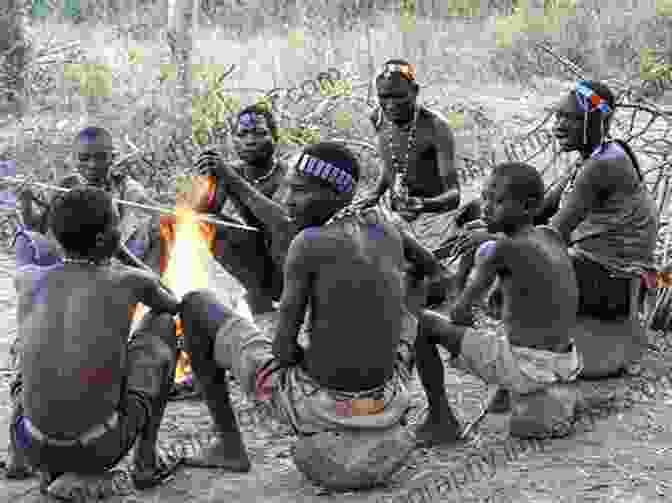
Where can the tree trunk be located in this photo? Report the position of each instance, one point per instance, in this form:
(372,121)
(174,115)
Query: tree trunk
(13,56)
(180,15)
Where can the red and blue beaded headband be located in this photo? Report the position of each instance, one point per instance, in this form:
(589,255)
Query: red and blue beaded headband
(406,70)
(589,101)
(340,179)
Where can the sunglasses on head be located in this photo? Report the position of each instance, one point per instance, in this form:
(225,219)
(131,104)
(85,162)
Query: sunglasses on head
(589,101)
(406,71)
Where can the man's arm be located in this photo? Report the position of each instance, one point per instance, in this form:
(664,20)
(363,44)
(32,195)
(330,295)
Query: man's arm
(445,157)
(551,203)
(488,262)
(272,214)
(424,262)
(136,193)
(299,272)
(590,183)
(32,219)
(156,296)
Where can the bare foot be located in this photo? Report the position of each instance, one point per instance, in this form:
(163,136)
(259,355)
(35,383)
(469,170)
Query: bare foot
(75,487)
(153,470)
(433,432)
(227,451)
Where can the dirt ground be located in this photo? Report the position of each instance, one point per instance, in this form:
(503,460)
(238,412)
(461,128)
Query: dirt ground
(623,456)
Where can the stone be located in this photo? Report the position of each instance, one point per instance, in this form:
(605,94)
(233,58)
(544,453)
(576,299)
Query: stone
(608,347)
(353,459)
(544,414)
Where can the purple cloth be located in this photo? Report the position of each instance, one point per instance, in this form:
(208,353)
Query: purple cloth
(23,438)
(34,249)
(486,250)
(609,152)
(7,198)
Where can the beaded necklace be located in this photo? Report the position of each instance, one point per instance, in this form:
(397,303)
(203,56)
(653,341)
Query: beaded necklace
(351,210)
(401,157)
(263,178)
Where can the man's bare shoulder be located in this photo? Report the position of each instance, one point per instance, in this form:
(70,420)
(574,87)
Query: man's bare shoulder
(440,124)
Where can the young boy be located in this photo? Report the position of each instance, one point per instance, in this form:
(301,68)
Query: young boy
(533,348)
(87,393)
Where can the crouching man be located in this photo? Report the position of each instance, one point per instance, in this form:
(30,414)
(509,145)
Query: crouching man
(86,394)
(343,267)
(533,352)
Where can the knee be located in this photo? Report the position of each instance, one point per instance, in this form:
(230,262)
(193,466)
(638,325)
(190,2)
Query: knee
(195,303)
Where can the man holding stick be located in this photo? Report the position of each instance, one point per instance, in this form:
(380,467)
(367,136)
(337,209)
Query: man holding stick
(93,150)
(246,255)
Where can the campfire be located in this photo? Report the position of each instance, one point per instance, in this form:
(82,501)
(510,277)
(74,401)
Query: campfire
(186,249)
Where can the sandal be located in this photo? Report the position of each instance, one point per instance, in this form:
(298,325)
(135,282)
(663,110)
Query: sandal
(161,473)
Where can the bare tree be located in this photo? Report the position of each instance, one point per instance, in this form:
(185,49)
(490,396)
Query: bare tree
(13,54)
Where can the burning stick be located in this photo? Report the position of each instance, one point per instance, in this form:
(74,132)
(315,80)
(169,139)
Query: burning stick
(158,209)
(187,262)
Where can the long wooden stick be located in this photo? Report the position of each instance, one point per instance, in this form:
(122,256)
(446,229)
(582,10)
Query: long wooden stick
(158,209)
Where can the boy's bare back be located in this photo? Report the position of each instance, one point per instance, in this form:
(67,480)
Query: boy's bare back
(357,303)
(539,290)
(76,322)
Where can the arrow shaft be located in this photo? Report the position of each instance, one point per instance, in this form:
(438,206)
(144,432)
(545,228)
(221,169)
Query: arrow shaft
(158,209)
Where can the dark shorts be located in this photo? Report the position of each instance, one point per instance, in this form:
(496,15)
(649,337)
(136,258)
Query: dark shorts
(146,370)
(601,295)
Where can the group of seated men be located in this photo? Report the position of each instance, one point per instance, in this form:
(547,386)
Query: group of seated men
(349,273)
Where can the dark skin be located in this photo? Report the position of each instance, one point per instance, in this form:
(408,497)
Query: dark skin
(282,225)
(539,299)
(598,179)
(93,161)
(90,309)
(246,255)
(432,177)
(320,267)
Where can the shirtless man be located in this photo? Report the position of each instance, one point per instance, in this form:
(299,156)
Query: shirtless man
(345,268)
(93,150)
(417,146)
(607,216)
(74,319)
(246,255)
(418,151)
(538,311)
(601,207)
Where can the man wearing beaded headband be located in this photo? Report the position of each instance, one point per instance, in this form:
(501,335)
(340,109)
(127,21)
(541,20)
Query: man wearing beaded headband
(417,146)
(244,254)
(606,214)
(342,265)
(418,151)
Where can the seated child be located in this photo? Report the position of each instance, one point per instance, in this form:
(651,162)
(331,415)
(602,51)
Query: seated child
(74,318)
(533,347)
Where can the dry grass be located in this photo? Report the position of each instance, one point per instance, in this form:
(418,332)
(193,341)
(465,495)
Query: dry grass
(458,61)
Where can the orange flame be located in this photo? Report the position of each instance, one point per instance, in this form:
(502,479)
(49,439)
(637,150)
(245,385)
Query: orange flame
(185,242)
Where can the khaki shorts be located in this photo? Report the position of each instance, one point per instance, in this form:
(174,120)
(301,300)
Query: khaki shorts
(521,370)
(296,399)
